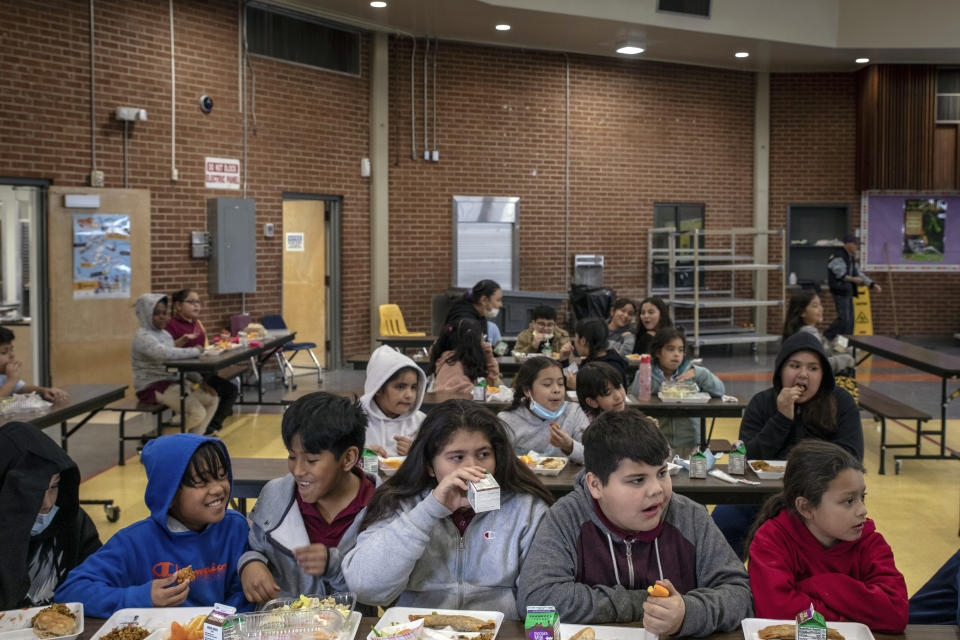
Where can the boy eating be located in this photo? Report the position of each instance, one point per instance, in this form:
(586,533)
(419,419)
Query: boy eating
(621,530)
(542,333)
(10,381)
(305,521)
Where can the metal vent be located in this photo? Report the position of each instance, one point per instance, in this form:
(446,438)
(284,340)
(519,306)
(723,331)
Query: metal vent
(287,35)
(948,95)
(687,7)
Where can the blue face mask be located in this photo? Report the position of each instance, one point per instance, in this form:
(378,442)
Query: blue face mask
(43,521)
(545,413)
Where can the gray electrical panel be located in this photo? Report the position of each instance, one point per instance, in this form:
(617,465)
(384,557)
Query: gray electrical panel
(231,223)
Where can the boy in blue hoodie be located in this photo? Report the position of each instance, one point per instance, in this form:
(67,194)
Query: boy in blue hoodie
(188,487)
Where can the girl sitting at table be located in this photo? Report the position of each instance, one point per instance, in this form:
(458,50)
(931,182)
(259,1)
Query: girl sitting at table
(151,347)
(540,418)
(47,533)
(460,357)
(590,341)
(804,313)
(621,337)
(187,331)
(422,545)
(670,363)
(599,389)
(804,402)
(392,395)
(653,316)
(813,543)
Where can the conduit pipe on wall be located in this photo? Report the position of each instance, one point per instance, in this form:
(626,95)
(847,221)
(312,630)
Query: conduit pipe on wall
(566,182)
(436,144)
(93,100)
(426,104)
(413,105)
(173,104)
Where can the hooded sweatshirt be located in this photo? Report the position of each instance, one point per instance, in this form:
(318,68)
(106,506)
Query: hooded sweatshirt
(152,346)
(767,433)
(853,581)
(418,557)
(384,363)
(595,575)
(31,567)
(530,432)
(120,574)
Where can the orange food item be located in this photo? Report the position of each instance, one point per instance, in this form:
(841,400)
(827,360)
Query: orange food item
(393,464)
(658,591)
(192,631)
(527,460)
(177,632)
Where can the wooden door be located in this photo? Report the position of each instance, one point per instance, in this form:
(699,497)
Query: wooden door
(945,157)
(304,272)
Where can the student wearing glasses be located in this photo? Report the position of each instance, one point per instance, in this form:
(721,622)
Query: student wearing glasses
(543,331)
(187,331)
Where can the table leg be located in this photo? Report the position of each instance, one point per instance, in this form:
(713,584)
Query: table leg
(703,433)
(183,402)
(63,436)
(943,417)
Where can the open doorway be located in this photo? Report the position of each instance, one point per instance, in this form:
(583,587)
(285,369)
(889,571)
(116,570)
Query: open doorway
(311,272)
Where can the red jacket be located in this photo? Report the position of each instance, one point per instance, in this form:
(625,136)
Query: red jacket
(851,581)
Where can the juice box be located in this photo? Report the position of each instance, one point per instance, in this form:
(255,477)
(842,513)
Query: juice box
(811,625)
(484,495)
(370,462)
(216,626)
(541,623)
(737,459)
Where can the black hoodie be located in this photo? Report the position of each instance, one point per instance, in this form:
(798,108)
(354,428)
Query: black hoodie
(769,434)
(28,459)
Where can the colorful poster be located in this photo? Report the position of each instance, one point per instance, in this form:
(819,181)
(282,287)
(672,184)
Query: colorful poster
(923,222)
(910,231)
(101,256)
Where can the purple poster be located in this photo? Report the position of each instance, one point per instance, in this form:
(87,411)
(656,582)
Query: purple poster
(910,231)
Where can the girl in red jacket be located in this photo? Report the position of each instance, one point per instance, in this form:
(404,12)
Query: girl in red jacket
(814,543)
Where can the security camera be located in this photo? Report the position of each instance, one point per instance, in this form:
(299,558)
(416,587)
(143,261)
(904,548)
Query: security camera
(206,104)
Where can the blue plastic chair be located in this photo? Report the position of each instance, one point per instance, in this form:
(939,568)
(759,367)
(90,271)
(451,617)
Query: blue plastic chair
(275,323)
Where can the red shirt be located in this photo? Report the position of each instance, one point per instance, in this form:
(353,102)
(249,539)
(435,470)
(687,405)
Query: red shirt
(461,518)
(179,327)
(329,533)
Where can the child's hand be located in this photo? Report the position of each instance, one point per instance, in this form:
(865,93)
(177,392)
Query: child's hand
(686,375)
(53,394)
(162,594)
(566,350)
(403,445)
(258,583)
(184,339)
(560,438)
(377,449)
(312,559)
(787,400)
(664,616)
(12,369)
(452,490)
(571,379)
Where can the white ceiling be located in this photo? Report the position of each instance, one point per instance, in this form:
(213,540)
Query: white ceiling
(781,35)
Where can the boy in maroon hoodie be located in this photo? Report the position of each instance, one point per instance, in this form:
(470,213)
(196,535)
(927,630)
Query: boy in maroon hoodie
(814,543)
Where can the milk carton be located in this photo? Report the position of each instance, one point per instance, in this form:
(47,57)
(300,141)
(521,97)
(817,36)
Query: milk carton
(698,465)
(737,459)
(811,625)
(541,623)
(484,495)
(217,624)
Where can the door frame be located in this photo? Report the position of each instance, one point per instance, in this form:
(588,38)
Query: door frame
(42,311)
(333,217)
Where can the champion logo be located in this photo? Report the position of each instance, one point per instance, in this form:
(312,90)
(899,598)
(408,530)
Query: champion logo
(488,535)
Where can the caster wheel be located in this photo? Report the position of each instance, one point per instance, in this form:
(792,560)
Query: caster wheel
(113,513)
(897,464)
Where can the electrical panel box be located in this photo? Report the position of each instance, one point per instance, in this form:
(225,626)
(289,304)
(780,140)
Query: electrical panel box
(231,223)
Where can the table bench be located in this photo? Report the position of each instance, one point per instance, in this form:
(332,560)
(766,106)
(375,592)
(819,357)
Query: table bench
(883,407)
(133,405)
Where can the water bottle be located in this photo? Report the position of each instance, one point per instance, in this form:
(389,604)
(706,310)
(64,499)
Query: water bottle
(546,348)
(643,379)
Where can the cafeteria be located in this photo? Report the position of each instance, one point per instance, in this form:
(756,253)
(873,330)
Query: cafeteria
(479,319)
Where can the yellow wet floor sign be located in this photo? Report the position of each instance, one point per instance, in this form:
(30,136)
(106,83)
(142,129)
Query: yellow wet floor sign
(862,318)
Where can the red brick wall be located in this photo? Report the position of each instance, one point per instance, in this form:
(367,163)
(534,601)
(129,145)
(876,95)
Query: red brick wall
(313,128)
(812,160)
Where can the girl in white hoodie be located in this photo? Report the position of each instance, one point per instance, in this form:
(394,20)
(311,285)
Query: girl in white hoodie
(392,395)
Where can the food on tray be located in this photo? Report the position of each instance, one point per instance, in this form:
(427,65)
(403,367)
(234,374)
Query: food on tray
(658,591)
(54,621)
(763,465)
(527,460)
(587,633)
(456,622)
(131,632)
(306,602)
(193,630)
(552,463)
(186,574)
(393,463)
(493,390)
(789,632)
(479,636)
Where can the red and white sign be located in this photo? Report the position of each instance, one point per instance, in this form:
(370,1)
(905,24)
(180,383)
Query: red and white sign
(222,173)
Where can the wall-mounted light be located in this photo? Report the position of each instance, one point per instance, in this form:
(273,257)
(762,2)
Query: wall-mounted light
(81,201)
(741,54)
(130,114)
(629,49)
(862,60)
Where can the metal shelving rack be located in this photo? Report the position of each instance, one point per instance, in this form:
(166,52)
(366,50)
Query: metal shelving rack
(698,259)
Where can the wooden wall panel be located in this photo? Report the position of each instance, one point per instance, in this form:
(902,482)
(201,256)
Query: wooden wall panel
(945,153)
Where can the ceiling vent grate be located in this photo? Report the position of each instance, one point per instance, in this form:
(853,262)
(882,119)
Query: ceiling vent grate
(686,7)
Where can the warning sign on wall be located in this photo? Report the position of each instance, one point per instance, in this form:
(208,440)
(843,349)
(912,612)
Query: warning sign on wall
(221,173)
(862,317)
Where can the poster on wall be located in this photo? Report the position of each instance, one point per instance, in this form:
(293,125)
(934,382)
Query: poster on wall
(295,242)
(910,231)
(101,256)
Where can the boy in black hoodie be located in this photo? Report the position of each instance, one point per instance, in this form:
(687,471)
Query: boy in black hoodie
(45,532)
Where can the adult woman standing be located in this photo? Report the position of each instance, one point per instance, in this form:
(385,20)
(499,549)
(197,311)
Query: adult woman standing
(187,331)
(481,303)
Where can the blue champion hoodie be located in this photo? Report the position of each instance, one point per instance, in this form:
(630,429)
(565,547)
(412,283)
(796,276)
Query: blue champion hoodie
(120,574)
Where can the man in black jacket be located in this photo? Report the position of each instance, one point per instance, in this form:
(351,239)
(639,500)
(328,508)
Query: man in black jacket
(844,276)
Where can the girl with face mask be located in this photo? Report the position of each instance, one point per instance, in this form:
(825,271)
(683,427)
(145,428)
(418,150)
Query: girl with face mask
(541,419)
(481,303)
(46,533)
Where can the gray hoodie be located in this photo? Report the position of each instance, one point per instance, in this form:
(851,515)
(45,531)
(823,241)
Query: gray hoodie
(418,557)
(384,362)
(530,432)
(594,575)
(152,346)
(276,528)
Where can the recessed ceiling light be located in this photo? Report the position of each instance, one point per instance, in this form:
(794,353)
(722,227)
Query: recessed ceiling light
(630,50)
(503,27)
(862,60)
(378,4)
(741,54)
